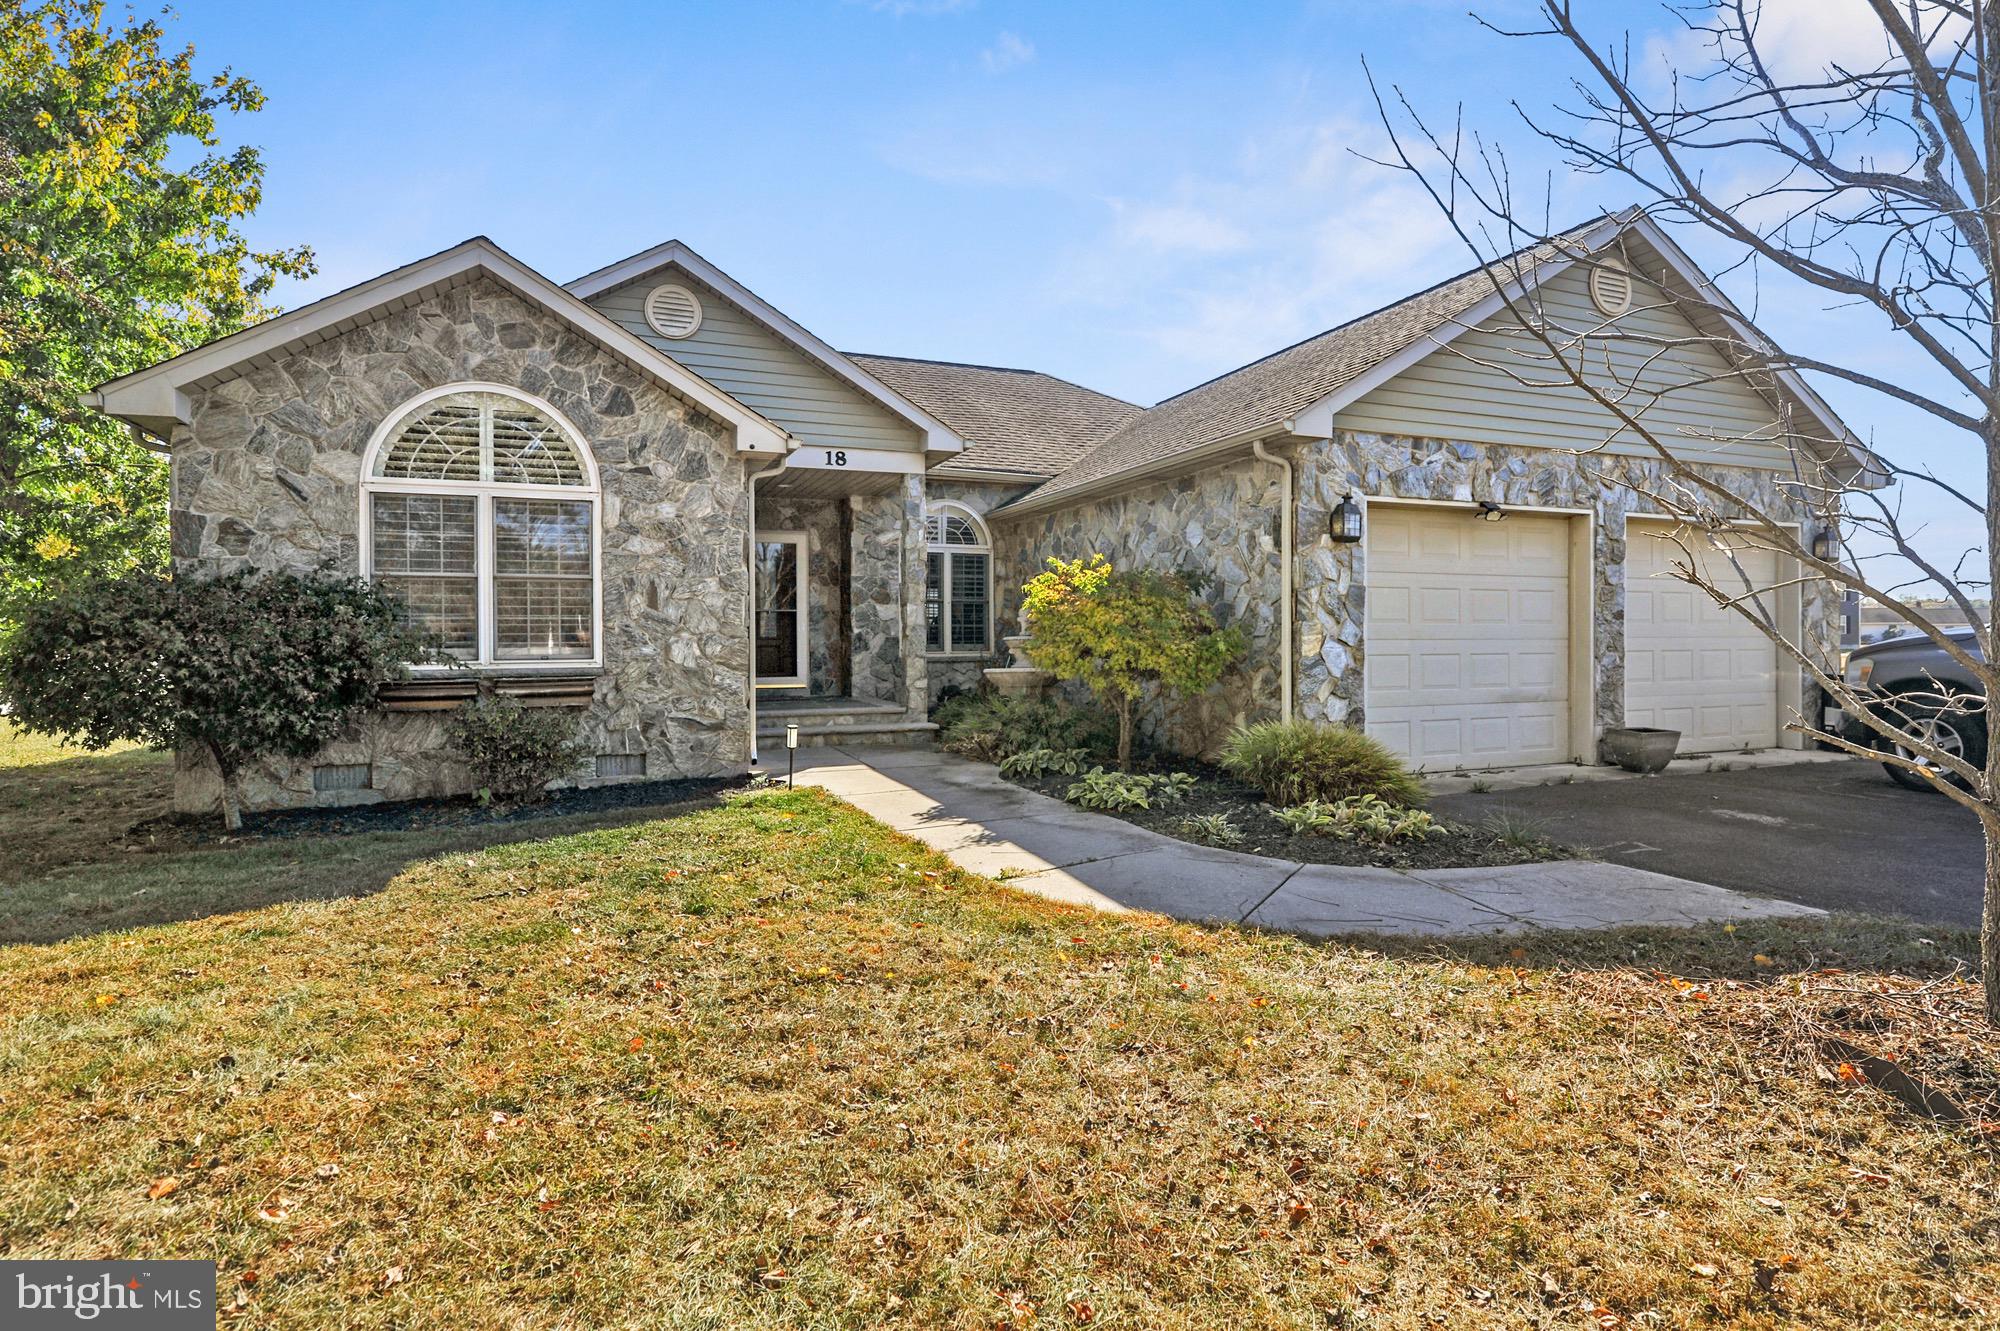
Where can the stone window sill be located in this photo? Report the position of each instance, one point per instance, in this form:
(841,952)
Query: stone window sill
(439,693)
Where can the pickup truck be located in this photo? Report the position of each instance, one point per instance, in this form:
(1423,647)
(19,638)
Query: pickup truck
(1935,696)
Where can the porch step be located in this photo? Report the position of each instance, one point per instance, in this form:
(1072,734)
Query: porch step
(772,741)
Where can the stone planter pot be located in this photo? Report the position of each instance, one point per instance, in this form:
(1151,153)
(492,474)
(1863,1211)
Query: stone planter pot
(1641,749)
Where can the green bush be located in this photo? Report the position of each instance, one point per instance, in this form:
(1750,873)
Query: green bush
(1100,789)
(991,728)
(240,668)
(1358,818)
(514,751)
(1293,762)
(1210,829)
(1111,791)
(1043,762)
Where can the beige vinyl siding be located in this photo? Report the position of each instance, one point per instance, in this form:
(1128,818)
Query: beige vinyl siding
(758,368)
(1447,396)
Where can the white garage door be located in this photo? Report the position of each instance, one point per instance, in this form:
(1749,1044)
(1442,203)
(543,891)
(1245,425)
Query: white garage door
(1467,649)
(1690,664)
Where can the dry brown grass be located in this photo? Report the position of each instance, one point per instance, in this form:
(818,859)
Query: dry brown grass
(773,1065)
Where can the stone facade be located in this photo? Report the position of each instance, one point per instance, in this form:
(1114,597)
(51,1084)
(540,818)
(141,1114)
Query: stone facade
(267,475)
(1223,522)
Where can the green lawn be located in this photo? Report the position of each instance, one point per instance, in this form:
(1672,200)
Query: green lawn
(769,1064)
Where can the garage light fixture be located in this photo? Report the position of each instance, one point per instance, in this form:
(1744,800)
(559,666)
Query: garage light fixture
(1491,512)
(1344,523)
(1825,544)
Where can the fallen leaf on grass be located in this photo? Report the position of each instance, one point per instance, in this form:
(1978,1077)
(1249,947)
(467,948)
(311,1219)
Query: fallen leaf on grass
(327,1170)
(161,1187)
(1706,1270)
(1772,1203)
(392,1276)
(1081,1312)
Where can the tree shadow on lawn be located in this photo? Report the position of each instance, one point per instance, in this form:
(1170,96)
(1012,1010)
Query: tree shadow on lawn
(72,810)
(144,888)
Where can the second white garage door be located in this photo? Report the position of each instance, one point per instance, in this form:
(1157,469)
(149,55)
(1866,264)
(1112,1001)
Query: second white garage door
(1690,664)
(1466,655)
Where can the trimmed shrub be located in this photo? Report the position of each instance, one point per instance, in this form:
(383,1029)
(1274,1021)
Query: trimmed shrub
(514,751)
(1294,762)
(993,728)
(241,668)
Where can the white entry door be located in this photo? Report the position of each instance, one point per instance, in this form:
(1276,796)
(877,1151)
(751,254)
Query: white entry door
(1466,654)
(1690,664)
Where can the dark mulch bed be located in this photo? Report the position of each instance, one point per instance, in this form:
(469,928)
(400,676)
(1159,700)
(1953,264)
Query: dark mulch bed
(182,831)
(1461,847)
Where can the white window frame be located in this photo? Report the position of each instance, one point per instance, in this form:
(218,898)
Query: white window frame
(800,584)
(951,509)
(485,492)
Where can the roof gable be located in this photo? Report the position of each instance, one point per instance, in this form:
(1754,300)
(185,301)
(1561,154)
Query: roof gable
(155,398)
(939,438)
(1298,389)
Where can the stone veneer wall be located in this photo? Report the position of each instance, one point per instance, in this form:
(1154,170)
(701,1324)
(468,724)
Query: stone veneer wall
(825,524)
(962,672)
(1332,579)
(885,598)
(1223,521)
(267,476)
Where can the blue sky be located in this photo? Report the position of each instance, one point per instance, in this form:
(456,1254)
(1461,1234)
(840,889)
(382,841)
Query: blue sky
(1136,197)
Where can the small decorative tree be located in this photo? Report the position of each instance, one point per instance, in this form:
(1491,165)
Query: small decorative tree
(241,667)
(1121,633)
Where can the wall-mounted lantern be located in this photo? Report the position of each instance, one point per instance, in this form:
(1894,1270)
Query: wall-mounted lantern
(1825,545)
(1491,512)
(1344,523)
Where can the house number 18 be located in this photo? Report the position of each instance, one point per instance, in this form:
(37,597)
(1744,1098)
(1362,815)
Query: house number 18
(835,457)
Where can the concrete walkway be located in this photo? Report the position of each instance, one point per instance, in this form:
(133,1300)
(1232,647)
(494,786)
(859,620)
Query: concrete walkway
(991,826)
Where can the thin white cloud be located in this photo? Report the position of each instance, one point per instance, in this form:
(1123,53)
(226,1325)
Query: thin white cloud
(1009,50)
(919,8)
(1176,228)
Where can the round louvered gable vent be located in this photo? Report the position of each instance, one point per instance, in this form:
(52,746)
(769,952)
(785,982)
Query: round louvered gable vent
(1610,287)
(673,311)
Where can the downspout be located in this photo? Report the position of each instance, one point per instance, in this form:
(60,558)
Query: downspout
(1286,589)
(750,601)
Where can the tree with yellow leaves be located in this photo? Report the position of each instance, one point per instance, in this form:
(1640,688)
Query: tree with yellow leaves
(119,246)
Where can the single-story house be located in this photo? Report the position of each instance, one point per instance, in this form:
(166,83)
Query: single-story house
(651,496)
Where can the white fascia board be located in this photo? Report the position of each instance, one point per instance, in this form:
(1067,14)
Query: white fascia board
(155,398)
(938,437)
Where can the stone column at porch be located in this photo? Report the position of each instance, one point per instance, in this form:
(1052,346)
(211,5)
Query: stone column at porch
(886,598)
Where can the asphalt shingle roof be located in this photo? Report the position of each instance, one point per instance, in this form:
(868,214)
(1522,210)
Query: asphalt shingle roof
(1014,420)
(1276,388)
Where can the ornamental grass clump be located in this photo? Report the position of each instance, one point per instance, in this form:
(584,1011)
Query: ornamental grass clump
(1295,762)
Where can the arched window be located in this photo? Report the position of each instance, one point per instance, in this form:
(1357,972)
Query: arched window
(958,591)
(479,510)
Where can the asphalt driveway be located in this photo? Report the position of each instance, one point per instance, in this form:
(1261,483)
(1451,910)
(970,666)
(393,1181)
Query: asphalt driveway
(1838,835)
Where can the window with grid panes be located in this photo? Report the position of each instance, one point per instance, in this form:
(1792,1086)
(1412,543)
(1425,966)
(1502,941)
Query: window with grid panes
(481,513)
(958,589)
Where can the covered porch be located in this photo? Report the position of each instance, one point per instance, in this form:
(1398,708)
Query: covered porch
(838,598)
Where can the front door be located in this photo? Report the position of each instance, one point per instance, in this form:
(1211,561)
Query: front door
(781,609)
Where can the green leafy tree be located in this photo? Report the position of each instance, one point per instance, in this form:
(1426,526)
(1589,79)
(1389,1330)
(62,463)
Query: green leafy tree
(1120,634)
(119,246)
(241,668)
